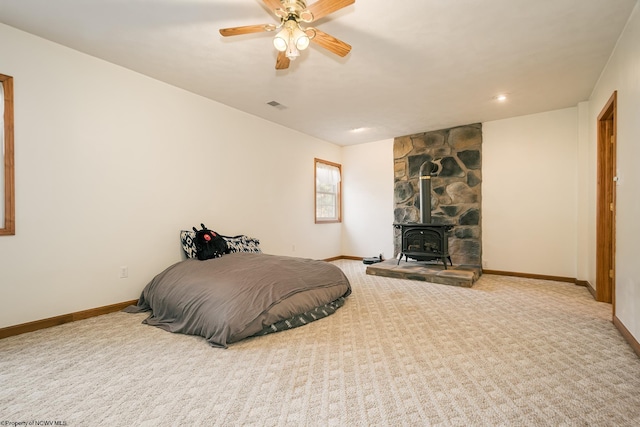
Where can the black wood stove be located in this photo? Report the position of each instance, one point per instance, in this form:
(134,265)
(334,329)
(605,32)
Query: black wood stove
(425,241)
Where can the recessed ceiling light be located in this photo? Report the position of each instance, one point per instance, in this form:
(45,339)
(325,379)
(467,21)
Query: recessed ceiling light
(357,130)
(501,98)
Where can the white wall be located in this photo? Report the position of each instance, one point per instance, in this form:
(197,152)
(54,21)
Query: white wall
(110,165)
(622,73)
(368,199)
(529,193)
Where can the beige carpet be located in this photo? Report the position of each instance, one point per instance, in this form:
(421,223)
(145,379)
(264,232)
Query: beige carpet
(507,352)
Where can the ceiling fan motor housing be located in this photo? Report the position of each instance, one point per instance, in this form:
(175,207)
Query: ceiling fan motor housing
(296,9)
(294,5)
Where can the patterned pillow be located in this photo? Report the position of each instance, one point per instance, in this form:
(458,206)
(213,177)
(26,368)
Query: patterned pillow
(243,244)
(187,238)
(236,244)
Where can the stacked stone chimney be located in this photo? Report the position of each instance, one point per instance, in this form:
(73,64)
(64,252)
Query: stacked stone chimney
(456,196)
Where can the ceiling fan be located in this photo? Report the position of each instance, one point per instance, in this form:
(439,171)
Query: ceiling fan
(291,37)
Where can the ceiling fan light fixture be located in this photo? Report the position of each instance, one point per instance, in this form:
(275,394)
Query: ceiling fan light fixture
(301,39)
(281,40)
(291,39)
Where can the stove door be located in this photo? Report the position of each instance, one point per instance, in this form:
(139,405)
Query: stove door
(427,241)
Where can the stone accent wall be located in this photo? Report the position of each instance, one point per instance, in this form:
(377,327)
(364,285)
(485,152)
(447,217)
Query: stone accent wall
(456,196)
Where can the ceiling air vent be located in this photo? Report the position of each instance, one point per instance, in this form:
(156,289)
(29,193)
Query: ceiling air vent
(277,105)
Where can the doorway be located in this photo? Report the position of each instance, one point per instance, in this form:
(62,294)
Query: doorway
(606,203)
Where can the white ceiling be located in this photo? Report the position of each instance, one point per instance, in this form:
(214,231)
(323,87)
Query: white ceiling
(415,66)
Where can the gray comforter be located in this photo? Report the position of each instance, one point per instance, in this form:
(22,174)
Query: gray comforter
(238,295)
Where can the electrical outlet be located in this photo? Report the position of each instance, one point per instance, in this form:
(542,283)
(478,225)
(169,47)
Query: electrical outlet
(293,248)
(124,272)
(484,264)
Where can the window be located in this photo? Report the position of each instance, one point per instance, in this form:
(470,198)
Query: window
(328,186)
(7,209)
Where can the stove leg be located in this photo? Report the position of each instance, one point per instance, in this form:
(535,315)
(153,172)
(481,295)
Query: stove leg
(444,262)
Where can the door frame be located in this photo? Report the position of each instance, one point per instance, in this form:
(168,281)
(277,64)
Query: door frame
(606,202)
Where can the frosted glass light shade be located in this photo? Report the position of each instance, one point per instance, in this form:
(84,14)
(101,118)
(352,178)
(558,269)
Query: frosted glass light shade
(281,39)
(302,40)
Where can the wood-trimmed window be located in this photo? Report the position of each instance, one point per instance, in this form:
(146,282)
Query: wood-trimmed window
(7,187)
(328,191)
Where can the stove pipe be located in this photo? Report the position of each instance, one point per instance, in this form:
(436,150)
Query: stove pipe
(427,170)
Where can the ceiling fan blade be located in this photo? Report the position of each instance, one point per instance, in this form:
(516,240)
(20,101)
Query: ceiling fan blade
(331,43)
(273,4)
(282,62)
(324,7)
(247,29)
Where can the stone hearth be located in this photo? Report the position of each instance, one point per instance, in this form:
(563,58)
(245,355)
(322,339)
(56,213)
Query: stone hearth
(464,276)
